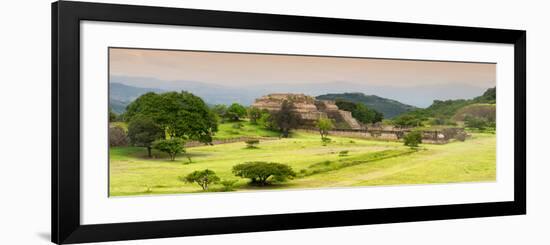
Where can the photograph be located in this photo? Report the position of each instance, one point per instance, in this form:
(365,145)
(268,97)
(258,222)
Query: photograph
(195,121)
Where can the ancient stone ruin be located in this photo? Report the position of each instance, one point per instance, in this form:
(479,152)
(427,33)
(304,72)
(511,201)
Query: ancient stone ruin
(309,109)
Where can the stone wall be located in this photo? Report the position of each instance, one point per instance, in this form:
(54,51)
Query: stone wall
(227,141)
(428,136)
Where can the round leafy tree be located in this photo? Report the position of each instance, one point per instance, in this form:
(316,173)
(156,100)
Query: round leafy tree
(142,131)
(182,115)
(408,120)
(235,112)
(412,139)
(219,109)
(266,120)
(360,112)
(254,114)
(286,119)
(171,146)
(261,172)
(203,178)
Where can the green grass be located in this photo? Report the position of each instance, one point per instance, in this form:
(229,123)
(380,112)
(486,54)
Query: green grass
(345,161)
(471,161)
(366,163)
(226,131)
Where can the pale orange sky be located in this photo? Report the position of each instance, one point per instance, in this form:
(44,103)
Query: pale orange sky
(244,69)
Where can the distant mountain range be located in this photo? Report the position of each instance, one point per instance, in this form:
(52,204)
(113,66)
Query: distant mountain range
(390,108)
(211,93)
(124,89)
(121,95)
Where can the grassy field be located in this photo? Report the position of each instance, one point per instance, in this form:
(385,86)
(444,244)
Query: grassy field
(227,131)
(367,163)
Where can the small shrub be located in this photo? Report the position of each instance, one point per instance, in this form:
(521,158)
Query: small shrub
(412,139)
(325,163)
(228,185)
(237,125)
(252,143)
(261,172)
(203,178)
(343,153)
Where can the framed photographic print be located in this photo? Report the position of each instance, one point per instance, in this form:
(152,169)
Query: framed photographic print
(176,122)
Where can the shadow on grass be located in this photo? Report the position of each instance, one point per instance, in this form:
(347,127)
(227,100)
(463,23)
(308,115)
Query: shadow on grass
(270,186)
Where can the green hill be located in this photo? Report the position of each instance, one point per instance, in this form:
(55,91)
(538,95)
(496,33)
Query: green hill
(446,111)
(487,111)
(489,97)
(448,108)
(390,108)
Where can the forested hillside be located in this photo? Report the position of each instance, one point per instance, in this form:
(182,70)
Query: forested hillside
(390,108)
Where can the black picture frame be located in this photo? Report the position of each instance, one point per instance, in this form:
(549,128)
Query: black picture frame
(66,18)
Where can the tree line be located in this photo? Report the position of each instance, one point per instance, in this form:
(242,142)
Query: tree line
(166,121)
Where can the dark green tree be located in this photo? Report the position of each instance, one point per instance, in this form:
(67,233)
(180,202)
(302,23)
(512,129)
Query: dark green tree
(112,116)
(412,139)
(254,114)
(235,112)
(360,112)
(172,146)
(490,96)
(261,172)
(203,178)
(286,119)
(142,131)
(181,115)
(408,120)
(363,114)
(346,105)
(266,120)
(378,116)
(220,110)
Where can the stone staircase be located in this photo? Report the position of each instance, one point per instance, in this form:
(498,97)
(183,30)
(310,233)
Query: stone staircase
(346,115)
